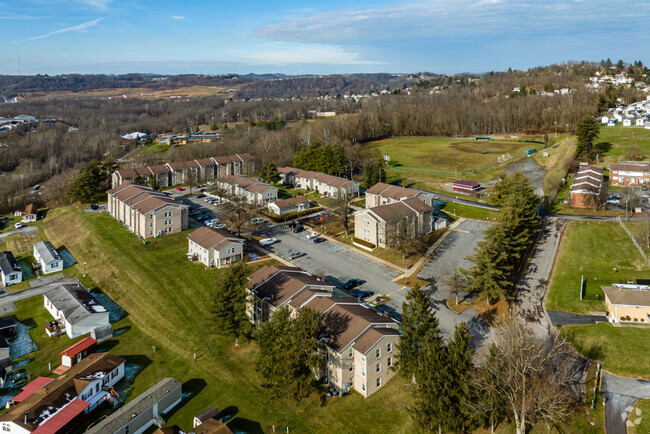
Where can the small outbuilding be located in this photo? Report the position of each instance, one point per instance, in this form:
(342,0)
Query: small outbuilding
(77,352)
(7,327)
(466,187)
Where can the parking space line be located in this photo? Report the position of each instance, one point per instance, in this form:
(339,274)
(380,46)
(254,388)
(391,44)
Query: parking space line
(396,291)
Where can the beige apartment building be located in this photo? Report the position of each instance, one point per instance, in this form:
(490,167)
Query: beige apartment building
(254,192)
(146,212)
(383,194)
(372,224)
(327,185)
(358,342)
(215,247)
(628,303)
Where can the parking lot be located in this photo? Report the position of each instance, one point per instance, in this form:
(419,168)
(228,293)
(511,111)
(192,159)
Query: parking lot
(338,264)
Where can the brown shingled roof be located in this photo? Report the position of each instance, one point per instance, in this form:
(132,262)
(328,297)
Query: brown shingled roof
(627,296)
(127,173)
(294,201)
(258,277)
(286,285)
(631,167)
(371,337)
(208,238)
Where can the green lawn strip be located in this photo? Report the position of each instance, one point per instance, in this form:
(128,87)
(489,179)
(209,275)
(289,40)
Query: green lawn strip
(593,250)
(641,231)
(623,350)
(470,212)
(167,300)
(640,411)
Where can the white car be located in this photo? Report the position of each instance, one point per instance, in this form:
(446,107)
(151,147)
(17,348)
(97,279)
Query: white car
(312,235)
(258,220)
(18,226)
(268,241)
(220,226)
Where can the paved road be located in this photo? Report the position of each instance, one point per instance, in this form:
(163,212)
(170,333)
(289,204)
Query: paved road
(563,318)
(7,300)
(450,256)
(25,230)
(621,395)
(338,264)
(448,198)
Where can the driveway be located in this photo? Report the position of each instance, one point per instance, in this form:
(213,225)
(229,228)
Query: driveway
(338,264)
(563,318)
(450,256)
(621,394)
(25,230)
(7,300)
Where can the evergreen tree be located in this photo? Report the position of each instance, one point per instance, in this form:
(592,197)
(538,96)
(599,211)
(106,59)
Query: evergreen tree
(228,309)
(269,173)
(488,277)
(459,368)
(419,324)
(587,131)
(288,352)
(374,173)
(91,178)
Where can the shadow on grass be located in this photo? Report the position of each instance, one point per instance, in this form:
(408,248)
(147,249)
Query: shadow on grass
(190,388)
(106,346)
(239,424)
(594,351)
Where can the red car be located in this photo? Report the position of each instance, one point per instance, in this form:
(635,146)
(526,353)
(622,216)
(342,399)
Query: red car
(179,189)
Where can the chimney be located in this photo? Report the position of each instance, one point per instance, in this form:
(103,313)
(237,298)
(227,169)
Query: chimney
(26,417)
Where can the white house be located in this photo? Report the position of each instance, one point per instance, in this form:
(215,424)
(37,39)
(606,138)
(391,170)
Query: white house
(48,258)
(627,122)
(286,206)
(9,269)
(75,310)
(57,405)
(215,247)
(640,122)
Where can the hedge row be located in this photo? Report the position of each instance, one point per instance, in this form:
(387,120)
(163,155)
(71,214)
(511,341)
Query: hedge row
(364,243)
(291,215)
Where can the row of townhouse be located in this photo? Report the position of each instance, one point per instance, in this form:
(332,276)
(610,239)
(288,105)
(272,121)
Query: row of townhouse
(382,194)
(374,224)
(358,343)
(327,185)
(177,173)
(146,212)
(630,173)
(587,187)
(253,191)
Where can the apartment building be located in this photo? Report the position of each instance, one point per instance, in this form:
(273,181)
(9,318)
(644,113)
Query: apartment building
(178,173)
(630,173)
(373,224)
(382,194)
(146,212)
(327,185)
(215,247)
(359,344)
(587,188)
(254,192)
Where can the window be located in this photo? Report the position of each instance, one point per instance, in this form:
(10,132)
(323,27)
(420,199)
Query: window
(389,347)
(350,353)
(363,372)
(363,359)
(378,353)
(351,368)
(363,386)
(378,367)
(390,362)
(378,382)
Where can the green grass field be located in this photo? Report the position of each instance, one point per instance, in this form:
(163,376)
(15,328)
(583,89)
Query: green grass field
(470,212)
(167,300)
(643,426)
(623,350)
(596,250)
(438,160)
(622,137)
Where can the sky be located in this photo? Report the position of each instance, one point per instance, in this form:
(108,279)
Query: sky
(315,37)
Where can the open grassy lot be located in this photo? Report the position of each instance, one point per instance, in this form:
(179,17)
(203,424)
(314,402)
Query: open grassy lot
(604,254)
(623,350)
(438,160)
(641,414)
(167,300)
(471,212)
(620,138)
(641,231)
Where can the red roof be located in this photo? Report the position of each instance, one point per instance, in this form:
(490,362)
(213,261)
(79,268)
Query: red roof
(31,388)
(75,349)
(466,184)
(62,417)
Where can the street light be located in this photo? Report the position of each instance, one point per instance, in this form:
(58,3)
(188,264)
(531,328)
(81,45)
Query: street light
(84,268)
(567,131)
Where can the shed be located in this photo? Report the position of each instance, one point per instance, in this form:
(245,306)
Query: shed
(530,151)
(77,352)
(102,333)
(466,186)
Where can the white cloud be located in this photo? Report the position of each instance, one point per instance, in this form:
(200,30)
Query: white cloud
(67,29)
(178,17)
(286,54)
(99,4)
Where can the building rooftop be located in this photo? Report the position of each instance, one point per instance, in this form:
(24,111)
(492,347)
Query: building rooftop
(628,295)
(47,251)
(208,238)
(8,263)
(74,302)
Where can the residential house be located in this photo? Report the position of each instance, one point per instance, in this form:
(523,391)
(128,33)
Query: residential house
(252,191)
(286,206)
(47,257)
(630,173)
(76,312)
(31,213)
(146,212)
(627,303)
(9,269)
(382,194)
(143,411)
(77,352)
(359,344)
(6,361)
(59,405)
(215,247)
(373,224)
(327,185)
(588,189)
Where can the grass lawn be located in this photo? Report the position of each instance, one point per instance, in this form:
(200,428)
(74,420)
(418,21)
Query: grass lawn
(641,414)
(641,231)
(623,350)
(593,250)
(438,160)
(471,212)
(167,299)
(620,138)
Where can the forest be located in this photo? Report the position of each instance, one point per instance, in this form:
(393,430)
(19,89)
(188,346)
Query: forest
(463,106)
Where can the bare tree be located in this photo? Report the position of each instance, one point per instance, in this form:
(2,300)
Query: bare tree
(343,210)
(403,234)
(239,213)
(456,282)
(530,376)
(644,226)
(631,198)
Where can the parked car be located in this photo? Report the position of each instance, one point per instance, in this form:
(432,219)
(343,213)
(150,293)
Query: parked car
(267,241)
(179,189)
(203,217)
(220,226)
(94,207)
(312,235)
(614,201)
(292,225)
(364,294)
(208,199)
(298,229)
(296,255)
(257,220)
(352,283)
(18,226)
(199,196)
(318,240)
(203,190)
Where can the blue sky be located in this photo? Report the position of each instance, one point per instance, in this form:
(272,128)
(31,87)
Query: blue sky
(317,37)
